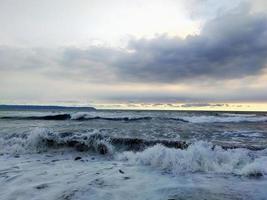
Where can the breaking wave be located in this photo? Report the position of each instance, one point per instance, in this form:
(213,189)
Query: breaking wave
(83,116)
(199,157)
(76,116)
(40,140)
(87,116)
(171,156)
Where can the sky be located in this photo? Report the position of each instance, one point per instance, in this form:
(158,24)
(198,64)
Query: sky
(162,54)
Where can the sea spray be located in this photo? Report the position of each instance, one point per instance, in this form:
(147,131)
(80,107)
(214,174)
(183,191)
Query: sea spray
(198,157)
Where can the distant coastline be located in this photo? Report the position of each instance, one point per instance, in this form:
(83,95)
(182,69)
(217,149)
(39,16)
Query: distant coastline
(44,107)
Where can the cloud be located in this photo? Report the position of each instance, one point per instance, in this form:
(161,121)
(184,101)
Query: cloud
(228,47)
(23,59)
(231,46)
(201,105)
(211,8)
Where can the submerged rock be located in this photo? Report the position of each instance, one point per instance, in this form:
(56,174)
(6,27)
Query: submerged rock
(255,175)
(41,186)
(78,158)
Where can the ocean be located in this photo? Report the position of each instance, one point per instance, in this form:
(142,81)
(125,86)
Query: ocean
(126,155)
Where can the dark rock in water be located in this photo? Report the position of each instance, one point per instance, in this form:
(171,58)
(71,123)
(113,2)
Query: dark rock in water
(126,178)
(255,175)
(78,158)
(102,149)
(41,186)
(93,158)
(122,172)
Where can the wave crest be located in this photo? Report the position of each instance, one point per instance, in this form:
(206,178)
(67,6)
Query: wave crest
(80,116)
(83,116)
(199,157)
(41,140)
(172,156)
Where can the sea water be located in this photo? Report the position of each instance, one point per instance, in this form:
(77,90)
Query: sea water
(132,155)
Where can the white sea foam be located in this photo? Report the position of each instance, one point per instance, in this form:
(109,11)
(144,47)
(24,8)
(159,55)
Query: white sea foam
(258,166)
(252,135)
(31,169)
(199,157)
(241,134)
(81,115)
(220,119)
(35,142)
(238,115)
(225,117)
(29,143)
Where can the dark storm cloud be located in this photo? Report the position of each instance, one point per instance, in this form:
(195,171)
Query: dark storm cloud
(231,46)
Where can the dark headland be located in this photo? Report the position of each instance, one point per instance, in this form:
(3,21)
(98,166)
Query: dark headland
(44,107)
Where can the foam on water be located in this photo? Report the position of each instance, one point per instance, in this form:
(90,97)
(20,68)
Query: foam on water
(238,115)
(56,175)
(227,119)
(39,140)
(31,169)
(199,157)
(88,116)
(248,135)
(64,160)
(81,115)
(23,143)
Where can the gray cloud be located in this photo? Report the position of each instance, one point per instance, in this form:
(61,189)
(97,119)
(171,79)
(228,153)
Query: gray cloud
(230,46)
(201,105)
(23,59)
